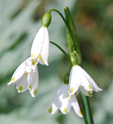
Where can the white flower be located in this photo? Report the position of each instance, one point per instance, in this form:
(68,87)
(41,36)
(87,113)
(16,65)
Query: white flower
(80,80)
(26,77)
(63,102)
(40,46)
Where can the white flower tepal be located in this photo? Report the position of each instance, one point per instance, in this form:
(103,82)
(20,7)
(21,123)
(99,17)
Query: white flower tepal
(40,46)
(26,77)
(80,80)
(63,102)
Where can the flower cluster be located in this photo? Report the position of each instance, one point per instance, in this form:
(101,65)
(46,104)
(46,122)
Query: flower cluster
(64,101)
(26,75)
(79,80)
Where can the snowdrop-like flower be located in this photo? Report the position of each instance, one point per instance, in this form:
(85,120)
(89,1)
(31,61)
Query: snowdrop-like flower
(80,80)
(63,102)
(40,46)
(26,77)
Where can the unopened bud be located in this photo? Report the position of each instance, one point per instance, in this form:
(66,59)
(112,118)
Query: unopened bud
(46,20)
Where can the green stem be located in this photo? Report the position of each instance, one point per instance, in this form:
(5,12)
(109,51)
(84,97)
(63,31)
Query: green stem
(65,21)
(60,15)
(86,109)
(61,49)
(73,41)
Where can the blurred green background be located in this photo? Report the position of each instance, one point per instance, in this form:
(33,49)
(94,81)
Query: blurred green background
(19,22)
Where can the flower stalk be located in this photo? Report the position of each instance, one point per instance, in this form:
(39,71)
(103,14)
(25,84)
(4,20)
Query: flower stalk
(73,45)
(67,56)
(72,36)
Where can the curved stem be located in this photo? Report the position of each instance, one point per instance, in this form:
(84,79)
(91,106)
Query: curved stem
(60,15)
(65,21)
(61,49)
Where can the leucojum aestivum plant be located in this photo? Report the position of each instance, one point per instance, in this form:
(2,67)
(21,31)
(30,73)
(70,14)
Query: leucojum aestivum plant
(76,80)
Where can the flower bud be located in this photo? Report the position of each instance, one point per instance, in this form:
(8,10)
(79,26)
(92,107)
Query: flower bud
(73,58)
(46,20)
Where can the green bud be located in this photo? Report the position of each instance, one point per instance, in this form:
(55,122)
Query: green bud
(73,58)
(46,20)
(74,50)
(66,79)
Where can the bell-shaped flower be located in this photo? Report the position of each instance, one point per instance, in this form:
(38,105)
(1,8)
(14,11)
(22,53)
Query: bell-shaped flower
(26,77)
(80,80)
(63,102)
(40,46)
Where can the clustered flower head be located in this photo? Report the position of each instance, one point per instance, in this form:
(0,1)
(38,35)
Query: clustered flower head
(78,80)
(63,101)
(26,75)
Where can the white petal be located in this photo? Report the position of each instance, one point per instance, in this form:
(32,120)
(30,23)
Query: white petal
(92,82)
(45,48)
(65,106)
(41,61)
(63,92)
(57,101)
(75,106)
(21,84)
(85,92)
(20,71)
(53,109)
(37,43)
(64,99)
(30,64)
(84,82)
(33,81)
(74,80)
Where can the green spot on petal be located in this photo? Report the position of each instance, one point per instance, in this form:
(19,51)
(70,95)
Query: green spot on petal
(50,110)
(39,57)
(13,79)
(71,89)
(30,86)
(20,88)
(32,55)
(47,61)
(26,73)
(65,110)
(89,93)
(35,92)
(75,93)
(89,87)
(80,113)
(68,96)
(33,62)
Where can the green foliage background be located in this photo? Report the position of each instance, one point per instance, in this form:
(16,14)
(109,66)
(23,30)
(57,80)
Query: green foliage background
(19,22)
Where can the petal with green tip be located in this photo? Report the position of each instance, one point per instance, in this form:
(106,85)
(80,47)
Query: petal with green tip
(74,80)
(75,106)
(33,80)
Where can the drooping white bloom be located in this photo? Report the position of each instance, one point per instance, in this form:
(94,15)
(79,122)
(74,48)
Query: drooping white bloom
(63,102)
(40,46)
(80,80)
(26,77)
